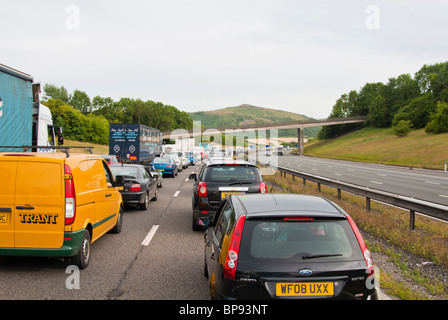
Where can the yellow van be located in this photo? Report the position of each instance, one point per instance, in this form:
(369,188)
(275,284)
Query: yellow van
(56,204)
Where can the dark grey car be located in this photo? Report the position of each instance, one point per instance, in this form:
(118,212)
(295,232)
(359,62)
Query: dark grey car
(139,187)
(286,246)
(217,180)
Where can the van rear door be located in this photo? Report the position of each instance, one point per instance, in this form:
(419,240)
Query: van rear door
(8,169)
(40,203)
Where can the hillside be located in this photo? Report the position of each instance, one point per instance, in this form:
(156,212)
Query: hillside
(245,115)
(418,149)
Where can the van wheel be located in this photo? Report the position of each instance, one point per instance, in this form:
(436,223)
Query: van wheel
(119,224)
(82,259)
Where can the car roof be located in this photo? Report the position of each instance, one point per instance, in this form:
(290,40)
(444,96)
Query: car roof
(126,165)
(229,161)
(273,205)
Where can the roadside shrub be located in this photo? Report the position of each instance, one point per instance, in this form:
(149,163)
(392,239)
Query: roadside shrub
(402,128)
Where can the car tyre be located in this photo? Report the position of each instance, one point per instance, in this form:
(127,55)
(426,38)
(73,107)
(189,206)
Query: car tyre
(145,204)
(156,194)
(82,259)
(195,226)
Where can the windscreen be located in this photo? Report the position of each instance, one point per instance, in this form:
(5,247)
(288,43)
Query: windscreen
(228,173)
(314,241)
(126,172)
(161,160)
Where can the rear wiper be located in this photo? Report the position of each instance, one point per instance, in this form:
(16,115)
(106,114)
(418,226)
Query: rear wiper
(239,182)
(314,256)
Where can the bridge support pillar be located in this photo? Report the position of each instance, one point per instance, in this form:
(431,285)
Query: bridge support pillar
(300,144)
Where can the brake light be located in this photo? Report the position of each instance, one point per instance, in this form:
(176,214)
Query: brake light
(298,219)
(70,196)
(234,248)
(202,189)
(135,187)
(169,166)
(365,251)
(263,188)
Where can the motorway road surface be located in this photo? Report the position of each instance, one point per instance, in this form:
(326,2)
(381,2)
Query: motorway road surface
(428,185)
(157,256)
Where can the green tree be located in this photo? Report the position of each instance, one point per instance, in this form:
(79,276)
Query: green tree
(81,101)
(439,121)
(379,116)
(56,93)
(418,111)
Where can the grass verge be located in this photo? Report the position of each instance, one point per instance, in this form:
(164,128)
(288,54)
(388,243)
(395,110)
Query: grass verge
(418,149)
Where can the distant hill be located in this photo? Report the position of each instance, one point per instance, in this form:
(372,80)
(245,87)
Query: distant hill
(245,114)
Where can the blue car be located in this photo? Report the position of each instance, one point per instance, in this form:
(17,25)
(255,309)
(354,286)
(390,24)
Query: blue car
(165,165)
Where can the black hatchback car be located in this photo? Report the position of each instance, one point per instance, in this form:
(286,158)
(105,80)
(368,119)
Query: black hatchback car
(140,186)
(218,179)
(286,246)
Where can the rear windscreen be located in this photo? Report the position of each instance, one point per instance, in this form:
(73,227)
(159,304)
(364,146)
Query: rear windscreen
(232,173)
(313,241)
(126,172)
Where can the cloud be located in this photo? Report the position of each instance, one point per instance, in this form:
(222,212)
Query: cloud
(199,55)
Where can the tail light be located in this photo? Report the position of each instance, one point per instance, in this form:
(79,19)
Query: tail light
(135,187)
(202,189)
(234,248)
(70,197)
(365,251)
(263,188)
(169,166)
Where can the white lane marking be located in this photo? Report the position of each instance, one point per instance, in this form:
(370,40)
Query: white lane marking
(442,195)
(150,235)
(186,180)
(430,182)
(176,194)
(338,174)
(382,175)
(376,182)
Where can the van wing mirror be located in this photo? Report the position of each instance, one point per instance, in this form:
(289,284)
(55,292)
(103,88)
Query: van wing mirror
(119,181)
(193,176)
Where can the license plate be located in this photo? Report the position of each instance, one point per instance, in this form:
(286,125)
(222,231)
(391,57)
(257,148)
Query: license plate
(160,170)
(304,289)
(225,194)
(3,218)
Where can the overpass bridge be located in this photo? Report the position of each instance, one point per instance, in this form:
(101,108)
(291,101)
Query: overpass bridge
(300,126)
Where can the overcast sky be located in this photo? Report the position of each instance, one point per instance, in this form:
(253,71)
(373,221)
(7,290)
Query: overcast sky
(198,55)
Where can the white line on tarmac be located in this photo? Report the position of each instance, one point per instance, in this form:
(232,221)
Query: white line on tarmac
(176,194)
(431,182)
(150,235)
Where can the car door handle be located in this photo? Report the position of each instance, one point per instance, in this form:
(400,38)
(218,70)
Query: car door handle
(24,208)
(108,195)
(7,210)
